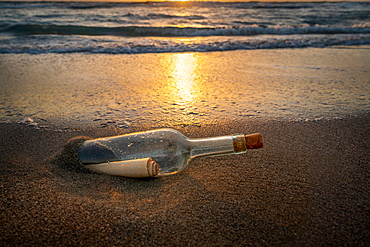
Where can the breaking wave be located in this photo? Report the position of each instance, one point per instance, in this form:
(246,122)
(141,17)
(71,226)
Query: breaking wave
(137,31)
(119,45)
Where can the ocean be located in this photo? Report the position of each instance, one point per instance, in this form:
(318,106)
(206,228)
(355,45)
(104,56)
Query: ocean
(166,27)
(183,63)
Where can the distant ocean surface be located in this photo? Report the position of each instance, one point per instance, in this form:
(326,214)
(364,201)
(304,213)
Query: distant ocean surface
(164,27)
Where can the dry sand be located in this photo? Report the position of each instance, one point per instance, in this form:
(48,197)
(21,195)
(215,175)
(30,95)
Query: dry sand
(308,186)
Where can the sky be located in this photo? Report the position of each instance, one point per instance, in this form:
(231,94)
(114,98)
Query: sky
(191,0)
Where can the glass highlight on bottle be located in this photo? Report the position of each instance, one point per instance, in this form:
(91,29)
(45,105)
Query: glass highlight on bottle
(158,152)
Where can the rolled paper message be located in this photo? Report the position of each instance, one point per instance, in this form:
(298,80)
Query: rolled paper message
(137,168)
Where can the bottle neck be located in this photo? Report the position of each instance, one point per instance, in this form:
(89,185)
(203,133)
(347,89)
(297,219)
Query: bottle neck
(217,145)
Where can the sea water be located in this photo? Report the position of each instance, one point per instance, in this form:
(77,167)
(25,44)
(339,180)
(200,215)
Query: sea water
(157,27)
(183,73)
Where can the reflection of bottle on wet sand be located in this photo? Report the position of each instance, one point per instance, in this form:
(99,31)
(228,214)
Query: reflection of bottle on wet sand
(158,152)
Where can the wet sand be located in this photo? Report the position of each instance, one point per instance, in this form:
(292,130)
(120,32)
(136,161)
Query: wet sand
(185,88)
(308,186)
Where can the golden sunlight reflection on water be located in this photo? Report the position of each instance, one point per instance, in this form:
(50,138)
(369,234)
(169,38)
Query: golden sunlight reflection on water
(183,73)
(184,88)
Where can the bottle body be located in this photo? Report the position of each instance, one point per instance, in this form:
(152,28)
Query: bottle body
(171,150)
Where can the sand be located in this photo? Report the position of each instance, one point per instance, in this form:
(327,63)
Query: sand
(184,88)
(308,186)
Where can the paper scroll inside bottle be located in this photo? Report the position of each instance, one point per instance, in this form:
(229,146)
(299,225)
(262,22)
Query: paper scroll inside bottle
(137,168)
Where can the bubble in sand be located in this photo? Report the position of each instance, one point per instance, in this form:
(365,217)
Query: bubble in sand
(124,124)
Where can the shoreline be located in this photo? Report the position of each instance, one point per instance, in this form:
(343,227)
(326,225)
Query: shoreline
(307,186)
(184,88)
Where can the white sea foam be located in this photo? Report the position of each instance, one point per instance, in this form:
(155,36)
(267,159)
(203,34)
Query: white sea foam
(67,27)
(119,45)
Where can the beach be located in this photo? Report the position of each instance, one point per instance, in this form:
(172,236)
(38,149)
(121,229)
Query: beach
(307,186)
(198,88)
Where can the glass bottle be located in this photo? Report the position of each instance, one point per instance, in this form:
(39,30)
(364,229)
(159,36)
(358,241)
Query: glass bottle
(159,152)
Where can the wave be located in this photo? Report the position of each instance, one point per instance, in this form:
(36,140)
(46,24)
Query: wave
(66,5)
(137,31)
(236,4)
(115,45)
(166,16)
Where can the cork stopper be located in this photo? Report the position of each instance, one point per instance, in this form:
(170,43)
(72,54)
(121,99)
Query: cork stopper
(137,168)
(254,141)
